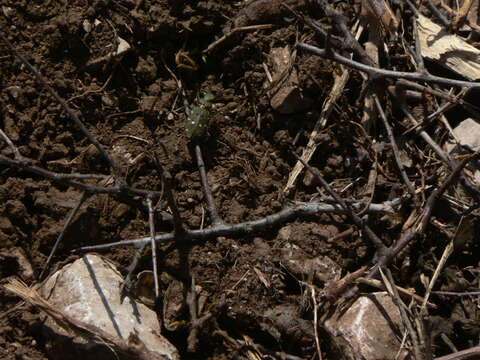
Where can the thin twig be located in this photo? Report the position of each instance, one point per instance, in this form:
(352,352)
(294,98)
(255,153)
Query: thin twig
(349,211)
(395,149)
(72,214)
(68,110)
(11,145)
(66,179)
(207,192)
(289,213)
(151,223)
(382,73)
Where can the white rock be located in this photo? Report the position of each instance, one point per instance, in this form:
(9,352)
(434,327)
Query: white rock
(369,330)
(89,291)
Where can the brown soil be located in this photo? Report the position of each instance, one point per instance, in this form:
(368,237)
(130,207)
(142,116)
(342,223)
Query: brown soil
(248,154)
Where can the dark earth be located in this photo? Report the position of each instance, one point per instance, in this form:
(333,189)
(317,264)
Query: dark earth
(133,106)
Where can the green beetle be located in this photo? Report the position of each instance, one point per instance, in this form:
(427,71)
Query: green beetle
(198,117)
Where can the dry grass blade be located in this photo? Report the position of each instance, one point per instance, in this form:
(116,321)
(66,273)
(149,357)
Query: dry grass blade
(337,89)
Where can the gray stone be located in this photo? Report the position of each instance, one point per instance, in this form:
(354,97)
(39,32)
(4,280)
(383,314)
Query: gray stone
(467,134)
(370,329)
(89,291)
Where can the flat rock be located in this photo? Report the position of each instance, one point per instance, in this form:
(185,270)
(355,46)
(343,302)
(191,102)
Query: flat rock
(369,330)
(89,290)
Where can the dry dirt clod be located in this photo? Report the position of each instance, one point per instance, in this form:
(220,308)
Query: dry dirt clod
(89,291)
(369,329)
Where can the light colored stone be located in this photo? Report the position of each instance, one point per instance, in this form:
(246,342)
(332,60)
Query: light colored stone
(370,329)
(467,134)
(89,291)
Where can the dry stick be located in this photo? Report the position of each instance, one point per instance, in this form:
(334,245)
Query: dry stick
(341,23)
(207,192)
(66,179)
(196,323)
(74,211)
(355,218)
(68,322)
(461,15)
(418,49)
(381,286)
(474,110)
(116,171)
(395,149)
(315,322)
(372,46)
(431,6)
(289,213)
(179,230)
(382,73)
(10,144)
(423,221)
(126,286)
(446,254)
(151,223)
(453,293)
(217,42)
(469,354)
(309,150)
(397,95)
(405,313)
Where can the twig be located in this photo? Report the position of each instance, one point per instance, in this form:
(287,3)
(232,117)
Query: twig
(151,223)
(289,213)
(469,354)
(10,144)
(349,40)
(382,73)
(419,349)
(207,192)
(315,322)
(452,293)
(379,285)
(438,14)
(309,150)
(461,15)
(395,149)
(446,254)
(178,226)
(217,42)
(196,323)
(74,211)
(116,171)
(423,220)
(349,211)
(66,179)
